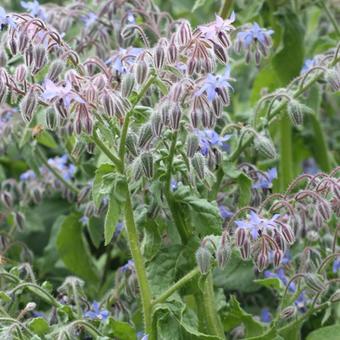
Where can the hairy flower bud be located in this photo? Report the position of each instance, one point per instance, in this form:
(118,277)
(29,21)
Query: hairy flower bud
(108,104)
(141,71)
(265,146)
(28,57)
(175,117)
(147,164)
(131,143)
(22,41)
(28,105)
(137,169)
(333,79)
(20,73)
(195,118)
(315,282)
(61,109)
(3,58)
(335,297)
(198,163)
(51,119)
(295,112)
(203,259)
(245,250)
(184,34)
(217,106)
(261,261)
(30,307)
(19,220)
(172,53)
(325,210)
(3,91)
(39,58)
(84,194)
(156,124)
(90,209)
(288,312)
(6,199)
(278,254)
(128,82)
(37,195)
(287,233)
(145,135)
(55,69)
(12,45)
(240,237)
(221,53)
(159,56)
(223,255)
(193,143)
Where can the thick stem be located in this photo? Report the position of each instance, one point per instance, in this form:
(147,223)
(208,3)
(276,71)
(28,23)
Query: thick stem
(213,320)
(145,291)
(286,153)
(225,8)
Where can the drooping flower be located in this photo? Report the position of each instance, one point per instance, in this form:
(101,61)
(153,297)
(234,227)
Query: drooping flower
(256,224)
(225,213)
(129,266)
(96,313)
(28,175)
(6,19)
(64,93)
(209,138)
(265,181)
(310,167)
(34,8)
(61,164)
(336,265)
(307,65)
(213,84)
(124,58)
(213,30)
(89,19)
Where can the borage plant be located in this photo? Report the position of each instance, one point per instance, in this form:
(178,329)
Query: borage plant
(140,155)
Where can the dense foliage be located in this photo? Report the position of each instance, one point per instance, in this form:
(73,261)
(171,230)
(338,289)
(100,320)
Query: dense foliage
(169,173)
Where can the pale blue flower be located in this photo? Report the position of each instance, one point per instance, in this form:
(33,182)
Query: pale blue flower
(212,30)
(310,167)
(96,313)
(254,34)
(308,64)
(225,213)
(213,83)
(336,265)
(28,175)
(129,266)
(265,181)
(265,315)
(89,19)
(6,19)
(34,8)
(280,274)
(209,138)
(84,220)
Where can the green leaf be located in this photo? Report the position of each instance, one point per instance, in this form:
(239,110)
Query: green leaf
(236,315)
(289,59)
(329,333)
(45,138)
(120,330)
(97,192)
(249,9)
(198,4)
(271,282)
(39,326)
(111,219)
(96,231)
(162,86)
(244,185)
(73,249)
(5,297)
(152,239)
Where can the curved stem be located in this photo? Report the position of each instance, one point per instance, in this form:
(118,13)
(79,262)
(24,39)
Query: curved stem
(179,284)
(91,329)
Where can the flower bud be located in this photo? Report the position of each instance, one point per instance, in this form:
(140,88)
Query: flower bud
(245,250)
(137,169)
(156,124)
(288,312)
(295,112)
(52,119)
(193,143)
(3,91)
(324,210)
(165,114)
(184,34)
(211,160)
(158,56)
(55,70)
(84,194)
(36,194)
(3,58)
(221,53)
(19,220)
(13,46)
(28,57)
(240,237)
(141,71)
(198,163)
(277,257)
(217,106)
(172,53)
(22,41)
(175,117)
(88,124)
(30,307)
(287,233)
(333,79)
(39,58)
(28,105)
(108,104)
(335,297)
(203,259)
(90,209)
(265,146)
(145,135)
(6,199)
(223,94)
(195,118)
(261,261)
(223,255)
(128,82)
(131,143)
(147,164)
(20,73)
(61,110)
(315,282)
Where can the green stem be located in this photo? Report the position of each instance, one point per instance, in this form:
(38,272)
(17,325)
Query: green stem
(213,320)
(14,321)
(115,160)
(55,172)
(179,284)
(320,145)
(330,17)
(145,290)
(225,8)
(45,295)
(286,153)
(91,329)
